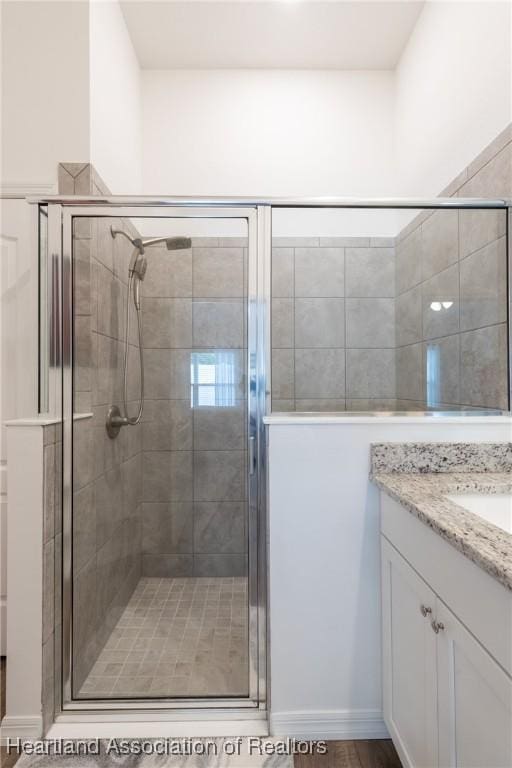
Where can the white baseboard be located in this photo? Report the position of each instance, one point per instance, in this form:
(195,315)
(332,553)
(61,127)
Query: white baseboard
(21,728)
(332,724)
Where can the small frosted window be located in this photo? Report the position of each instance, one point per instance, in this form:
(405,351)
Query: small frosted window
(212,377)
(433,375)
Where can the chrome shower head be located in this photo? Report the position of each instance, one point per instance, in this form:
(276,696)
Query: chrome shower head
(178,243)
(172,243)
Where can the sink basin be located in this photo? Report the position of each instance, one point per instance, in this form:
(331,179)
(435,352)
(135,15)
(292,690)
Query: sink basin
(495,508)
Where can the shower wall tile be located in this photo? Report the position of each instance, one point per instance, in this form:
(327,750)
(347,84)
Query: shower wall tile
(408,262)
(296,242)
(493,179)
(283,373)
(168,528)
(220,565)
(170,273)
(440,242)
(443,355)
(107,473)
(219,527)
(83,354)
(319,323)
(319,272)
(218,273)
(282,270)
(371,404)
(483,287)
(440,298)
(212,284)
(483,355)
(83,456)
(312,284)
(49,461)
(103,243)
(51,571)
(320,373)
(157,374)
(168,566)
(284,406)
(370,272)
(409,373)
(167,323)
(82,280)
(370,323)
(409,317)
(84,526)
(282,323)
(108,382)
(110,299)
(179,385)
(220,429)
(463,261)
(66,182)
(218,324)
(218,475)
(48,588)
(109,500)
(342,242)
(371,373)
(167,425)
(479,228)
(315,405)
(167,476)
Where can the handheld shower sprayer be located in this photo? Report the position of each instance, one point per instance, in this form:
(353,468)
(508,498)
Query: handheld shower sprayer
(136,274)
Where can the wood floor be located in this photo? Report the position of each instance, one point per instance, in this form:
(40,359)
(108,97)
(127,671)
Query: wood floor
(340,754)
(353,754)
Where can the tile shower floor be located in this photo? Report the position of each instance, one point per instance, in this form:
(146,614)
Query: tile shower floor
(176,637)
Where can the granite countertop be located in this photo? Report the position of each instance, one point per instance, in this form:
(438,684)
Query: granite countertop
(421,482)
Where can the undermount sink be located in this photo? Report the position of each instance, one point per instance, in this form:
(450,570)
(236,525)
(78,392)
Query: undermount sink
(495,508)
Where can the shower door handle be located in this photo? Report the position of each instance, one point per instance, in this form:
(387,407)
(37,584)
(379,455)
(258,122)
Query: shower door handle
(252,455)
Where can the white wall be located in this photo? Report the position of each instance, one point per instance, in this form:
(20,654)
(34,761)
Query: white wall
(453,91)
(267,132)
(45,89)
(325,570)
(115,110)
(18,346)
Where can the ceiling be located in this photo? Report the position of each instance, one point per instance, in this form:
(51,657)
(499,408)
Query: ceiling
(296,34)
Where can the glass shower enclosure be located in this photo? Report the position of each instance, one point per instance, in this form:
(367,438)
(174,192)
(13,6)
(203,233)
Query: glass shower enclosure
(162,397)
(170,328)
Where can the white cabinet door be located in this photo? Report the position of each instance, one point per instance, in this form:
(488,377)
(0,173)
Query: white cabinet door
(475,700)
(409,661)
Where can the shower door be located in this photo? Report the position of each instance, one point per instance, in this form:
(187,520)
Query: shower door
(163,577)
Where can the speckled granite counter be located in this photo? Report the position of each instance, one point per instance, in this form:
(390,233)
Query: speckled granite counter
(418,476)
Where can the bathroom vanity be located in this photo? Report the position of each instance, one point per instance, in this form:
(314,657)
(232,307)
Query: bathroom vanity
(447,615)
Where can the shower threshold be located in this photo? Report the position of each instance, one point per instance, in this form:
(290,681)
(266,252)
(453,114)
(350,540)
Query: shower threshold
(176,638)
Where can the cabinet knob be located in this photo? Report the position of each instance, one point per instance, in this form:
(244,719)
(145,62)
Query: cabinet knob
(425,611)
(437,626)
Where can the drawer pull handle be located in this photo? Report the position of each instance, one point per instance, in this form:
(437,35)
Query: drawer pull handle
(425,611)
(437,626)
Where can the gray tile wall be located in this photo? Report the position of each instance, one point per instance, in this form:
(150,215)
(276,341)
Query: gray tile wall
(353,327)
(107,510)
(456,257)
(333,324)
(52,550)
(194,459)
